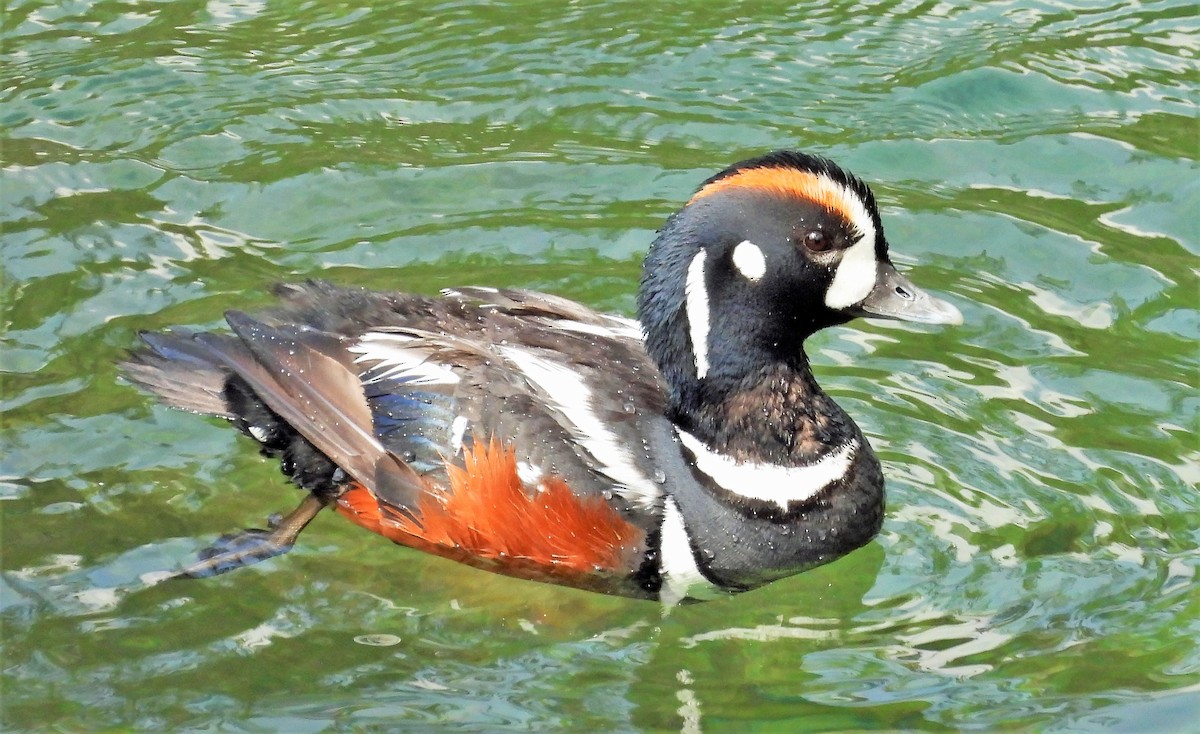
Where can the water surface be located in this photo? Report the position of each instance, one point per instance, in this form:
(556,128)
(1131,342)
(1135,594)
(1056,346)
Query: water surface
(1036,164)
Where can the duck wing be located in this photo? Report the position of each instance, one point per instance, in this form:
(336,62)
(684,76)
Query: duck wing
(391,388)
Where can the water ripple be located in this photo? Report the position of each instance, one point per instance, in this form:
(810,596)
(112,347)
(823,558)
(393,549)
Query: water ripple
(1037,163)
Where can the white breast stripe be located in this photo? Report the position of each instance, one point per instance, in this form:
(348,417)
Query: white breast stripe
(855,275)
(696,294)
(681,575)
(770,482)
(749,260)
(571,397)
(395,358)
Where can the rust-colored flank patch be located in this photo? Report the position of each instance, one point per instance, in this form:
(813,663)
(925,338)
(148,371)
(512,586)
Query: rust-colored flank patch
(782,181)
(489,514)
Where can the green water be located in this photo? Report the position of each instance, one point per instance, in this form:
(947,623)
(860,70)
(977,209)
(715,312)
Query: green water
(1036,163)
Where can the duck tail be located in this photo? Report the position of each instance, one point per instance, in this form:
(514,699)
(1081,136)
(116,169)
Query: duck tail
(183,372)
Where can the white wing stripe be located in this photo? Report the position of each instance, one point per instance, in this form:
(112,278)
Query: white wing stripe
(570,396)
(623,329)
(395,358)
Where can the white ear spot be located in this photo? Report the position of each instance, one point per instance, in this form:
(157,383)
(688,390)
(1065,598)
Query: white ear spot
(696,304)
(749,260)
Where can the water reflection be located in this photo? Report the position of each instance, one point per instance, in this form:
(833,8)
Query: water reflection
(164,163)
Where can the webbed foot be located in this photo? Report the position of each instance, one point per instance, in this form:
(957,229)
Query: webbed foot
(253,545)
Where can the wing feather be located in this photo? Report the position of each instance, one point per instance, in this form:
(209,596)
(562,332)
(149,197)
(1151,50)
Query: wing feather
(320,397)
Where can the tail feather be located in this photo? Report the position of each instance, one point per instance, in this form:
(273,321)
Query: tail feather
(294,389)
(184,373)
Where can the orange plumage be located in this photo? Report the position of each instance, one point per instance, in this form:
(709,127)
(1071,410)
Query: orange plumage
(487,513)
(784,182)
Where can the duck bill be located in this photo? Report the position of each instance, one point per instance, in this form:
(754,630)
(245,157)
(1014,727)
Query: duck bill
(895,297)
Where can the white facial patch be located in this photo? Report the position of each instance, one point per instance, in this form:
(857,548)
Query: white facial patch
(397,357)
(570,396)
(749,260)
(855,275)
(696,304)
(770,482)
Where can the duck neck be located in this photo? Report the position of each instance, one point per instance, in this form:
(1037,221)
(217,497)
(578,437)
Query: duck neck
(774,413)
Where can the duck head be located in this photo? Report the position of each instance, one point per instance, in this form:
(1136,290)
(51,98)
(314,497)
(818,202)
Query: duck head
(763,255)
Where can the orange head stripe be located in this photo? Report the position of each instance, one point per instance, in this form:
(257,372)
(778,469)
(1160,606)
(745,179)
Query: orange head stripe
(781,181)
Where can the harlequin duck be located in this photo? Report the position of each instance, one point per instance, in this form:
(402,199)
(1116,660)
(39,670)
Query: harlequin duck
(684,455)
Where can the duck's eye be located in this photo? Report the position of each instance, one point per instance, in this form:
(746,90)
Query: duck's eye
(817,241)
